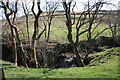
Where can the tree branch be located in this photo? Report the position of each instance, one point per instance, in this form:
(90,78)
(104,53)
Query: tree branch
(82,32)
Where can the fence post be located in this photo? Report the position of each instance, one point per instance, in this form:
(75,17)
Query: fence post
(2,76)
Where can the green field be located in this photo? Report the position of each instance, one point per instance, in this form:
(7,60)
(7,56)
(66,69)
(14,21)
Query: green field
(58,28)
(108,68)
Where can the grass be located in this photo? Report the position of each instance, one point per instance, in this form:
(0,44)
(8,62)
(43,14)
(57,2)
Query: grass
(105,67)
(58,28)
(108,69)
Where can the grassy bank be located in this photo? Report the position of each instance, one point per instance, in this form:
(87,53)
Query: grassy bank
(108,69)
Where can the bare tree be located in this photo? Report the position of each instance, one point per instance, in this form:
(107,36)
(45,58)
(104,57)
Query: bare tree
(8,12)
(118,22)
(92,16)
(112,23)
(12,32)
(112,20)
(84,19)
(36,35)
(50,8)
(26,12)
(67,7)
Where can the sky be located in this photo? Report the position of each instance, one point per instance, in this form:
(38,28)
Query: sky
(79,5)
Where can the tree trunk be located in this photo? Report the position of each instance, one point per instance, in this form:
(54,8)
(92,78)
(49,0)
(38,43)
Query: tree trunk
(49,26)
(2,75)
(78,58)
(36,62)
(27,22)
(27,28)
(48,36)
(14,50)
(115,27)
(21,47)
(74,46)
(45,60)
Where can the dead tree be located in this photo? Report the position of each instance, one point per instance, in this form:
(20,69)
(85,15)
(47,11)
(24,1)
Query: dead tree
(36,35)
(112,22)
(26,12)
(67,7)
(14,50)
(7,13)
(92,16)
(50,8)
(36,30)
(82,20)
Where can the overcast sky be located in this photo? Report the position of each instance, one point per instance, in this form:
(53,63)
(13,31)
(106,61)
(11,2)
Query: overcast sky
(79,5)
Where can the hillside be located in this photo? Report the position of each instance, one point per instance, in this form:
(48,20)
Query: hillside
(58,27)
(61,45)
(103,67)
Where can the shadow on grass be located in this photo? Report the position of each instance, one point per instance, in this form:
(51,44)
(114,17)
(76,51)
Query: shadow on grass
(7,66)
